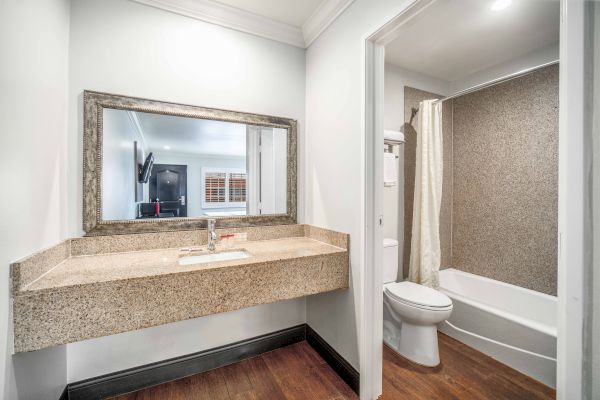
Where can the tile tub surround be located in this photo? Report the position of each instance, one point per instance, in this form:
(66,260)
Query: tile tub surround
(500,185)
(505,205)
(99,294)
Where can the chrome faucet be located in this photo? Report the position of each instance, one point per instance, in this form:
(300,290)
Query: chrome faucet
(212,235)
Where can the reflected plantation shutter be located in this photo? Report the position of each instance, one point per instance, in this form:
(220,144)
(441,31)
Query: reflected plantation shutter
(237,187)
(214,187)
(223,188)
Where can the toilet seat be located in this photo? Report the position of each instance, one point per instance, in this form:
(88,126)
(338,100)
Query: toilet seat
(418,296)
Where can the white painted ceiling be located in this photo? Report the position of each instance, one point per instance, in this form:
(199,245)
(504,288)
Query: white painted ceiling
(192,136)
(452,39)
(292,12)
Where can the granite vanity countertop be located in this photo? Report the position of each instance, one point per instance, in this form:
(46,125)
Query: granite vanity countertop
(97,268)
(84,288)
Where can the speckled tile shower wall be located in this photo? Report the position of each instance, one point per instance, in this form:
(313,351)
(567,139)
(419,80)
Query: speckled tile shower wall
(505,197)
(412,98)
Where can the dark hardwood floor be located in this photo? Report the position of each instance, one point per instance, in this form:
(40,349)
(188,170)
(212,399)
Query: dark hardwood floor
(298,372)
(464,374)
(292,372)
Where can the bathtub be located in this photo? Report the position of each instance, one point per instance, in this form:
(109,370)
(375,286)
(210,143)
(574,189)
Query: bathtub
(516,326)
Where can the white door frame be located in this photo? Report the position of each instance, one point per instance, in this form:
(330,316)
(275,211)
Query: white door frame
(572,187)
(372,295)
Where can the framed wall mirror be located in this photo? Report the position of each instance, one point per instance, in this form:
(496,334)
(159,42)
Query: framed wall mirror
(155,166)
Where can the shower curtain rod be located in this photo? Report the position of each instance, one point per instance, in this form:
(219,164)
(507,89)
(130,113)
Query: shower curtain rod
(496,81)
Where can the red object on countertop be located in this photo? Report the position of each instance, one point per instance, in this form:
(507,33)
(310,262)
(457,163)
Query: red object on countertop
(157,207)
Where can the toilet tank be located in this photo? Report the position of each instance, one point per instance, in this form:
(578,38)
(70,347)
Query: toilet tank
(390,260)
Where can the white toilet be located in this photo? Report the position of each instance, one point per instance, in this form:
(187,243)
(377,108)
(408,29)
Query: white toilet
(411,313)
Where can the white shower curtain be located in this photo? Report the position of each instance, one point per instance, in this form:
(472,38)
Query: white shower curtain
(425,253)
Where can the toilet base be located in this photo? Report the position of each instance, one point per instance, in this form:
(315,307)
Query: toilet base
(418,343)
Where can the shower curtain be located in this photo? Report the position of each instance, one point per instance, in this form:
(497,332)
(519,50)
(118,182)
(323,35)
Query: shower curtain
(425,252)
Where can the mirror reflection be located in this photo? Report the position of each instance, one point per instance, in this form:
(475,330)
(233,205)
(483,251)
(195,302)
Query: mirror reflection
(165,166)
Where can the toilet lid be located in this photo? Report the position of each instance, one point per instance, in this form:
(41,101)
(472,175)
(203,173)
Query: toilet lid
(418,295)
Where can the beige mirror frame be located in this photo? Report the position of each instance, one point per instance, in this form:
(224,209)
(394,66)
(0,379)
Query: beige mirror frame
(93,105)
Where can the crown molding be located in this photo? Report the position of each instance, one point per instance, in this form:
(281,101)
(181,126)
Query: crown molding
(323,16)
(233,18)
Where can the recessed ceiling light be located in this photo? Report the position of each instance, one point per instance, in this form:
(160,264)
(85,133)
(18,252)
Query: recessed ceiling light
(167,147)
(501,5)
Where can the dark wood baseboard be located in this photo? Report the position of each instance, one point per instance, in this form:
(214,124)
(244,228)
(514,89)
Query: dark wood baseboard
(342,367)
(164,371)
(64,395)
(144,376)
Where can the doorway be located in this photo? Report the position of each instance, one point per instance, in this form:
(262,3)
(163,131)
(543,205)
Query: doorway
(569,362)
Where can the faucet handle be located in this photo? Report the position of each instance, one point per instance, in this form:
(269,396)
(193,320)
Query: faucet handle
(212,235)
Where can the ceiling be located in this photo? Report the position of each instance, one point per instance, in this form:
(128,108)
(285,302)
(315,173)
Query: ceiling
(452,39)
(291,12)
(183,135)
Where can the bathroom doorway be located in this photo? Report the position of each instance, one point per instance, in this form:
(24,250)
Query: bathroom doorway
(463,85)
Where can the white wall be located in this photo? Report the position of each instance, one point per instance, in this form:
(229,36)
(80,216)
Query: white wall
(335,158)
(394,81)
(195,185)
(33,112)
(107,354)
(122,47)
(118,166)
(118,46)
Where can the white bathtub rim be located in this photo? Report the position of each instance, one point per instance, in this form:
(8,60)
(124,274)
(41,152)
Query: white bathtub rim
(529,323)
(504,284)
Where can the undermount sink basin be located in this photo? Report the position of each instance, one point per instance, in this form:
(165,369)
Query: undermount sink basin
(213,257)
